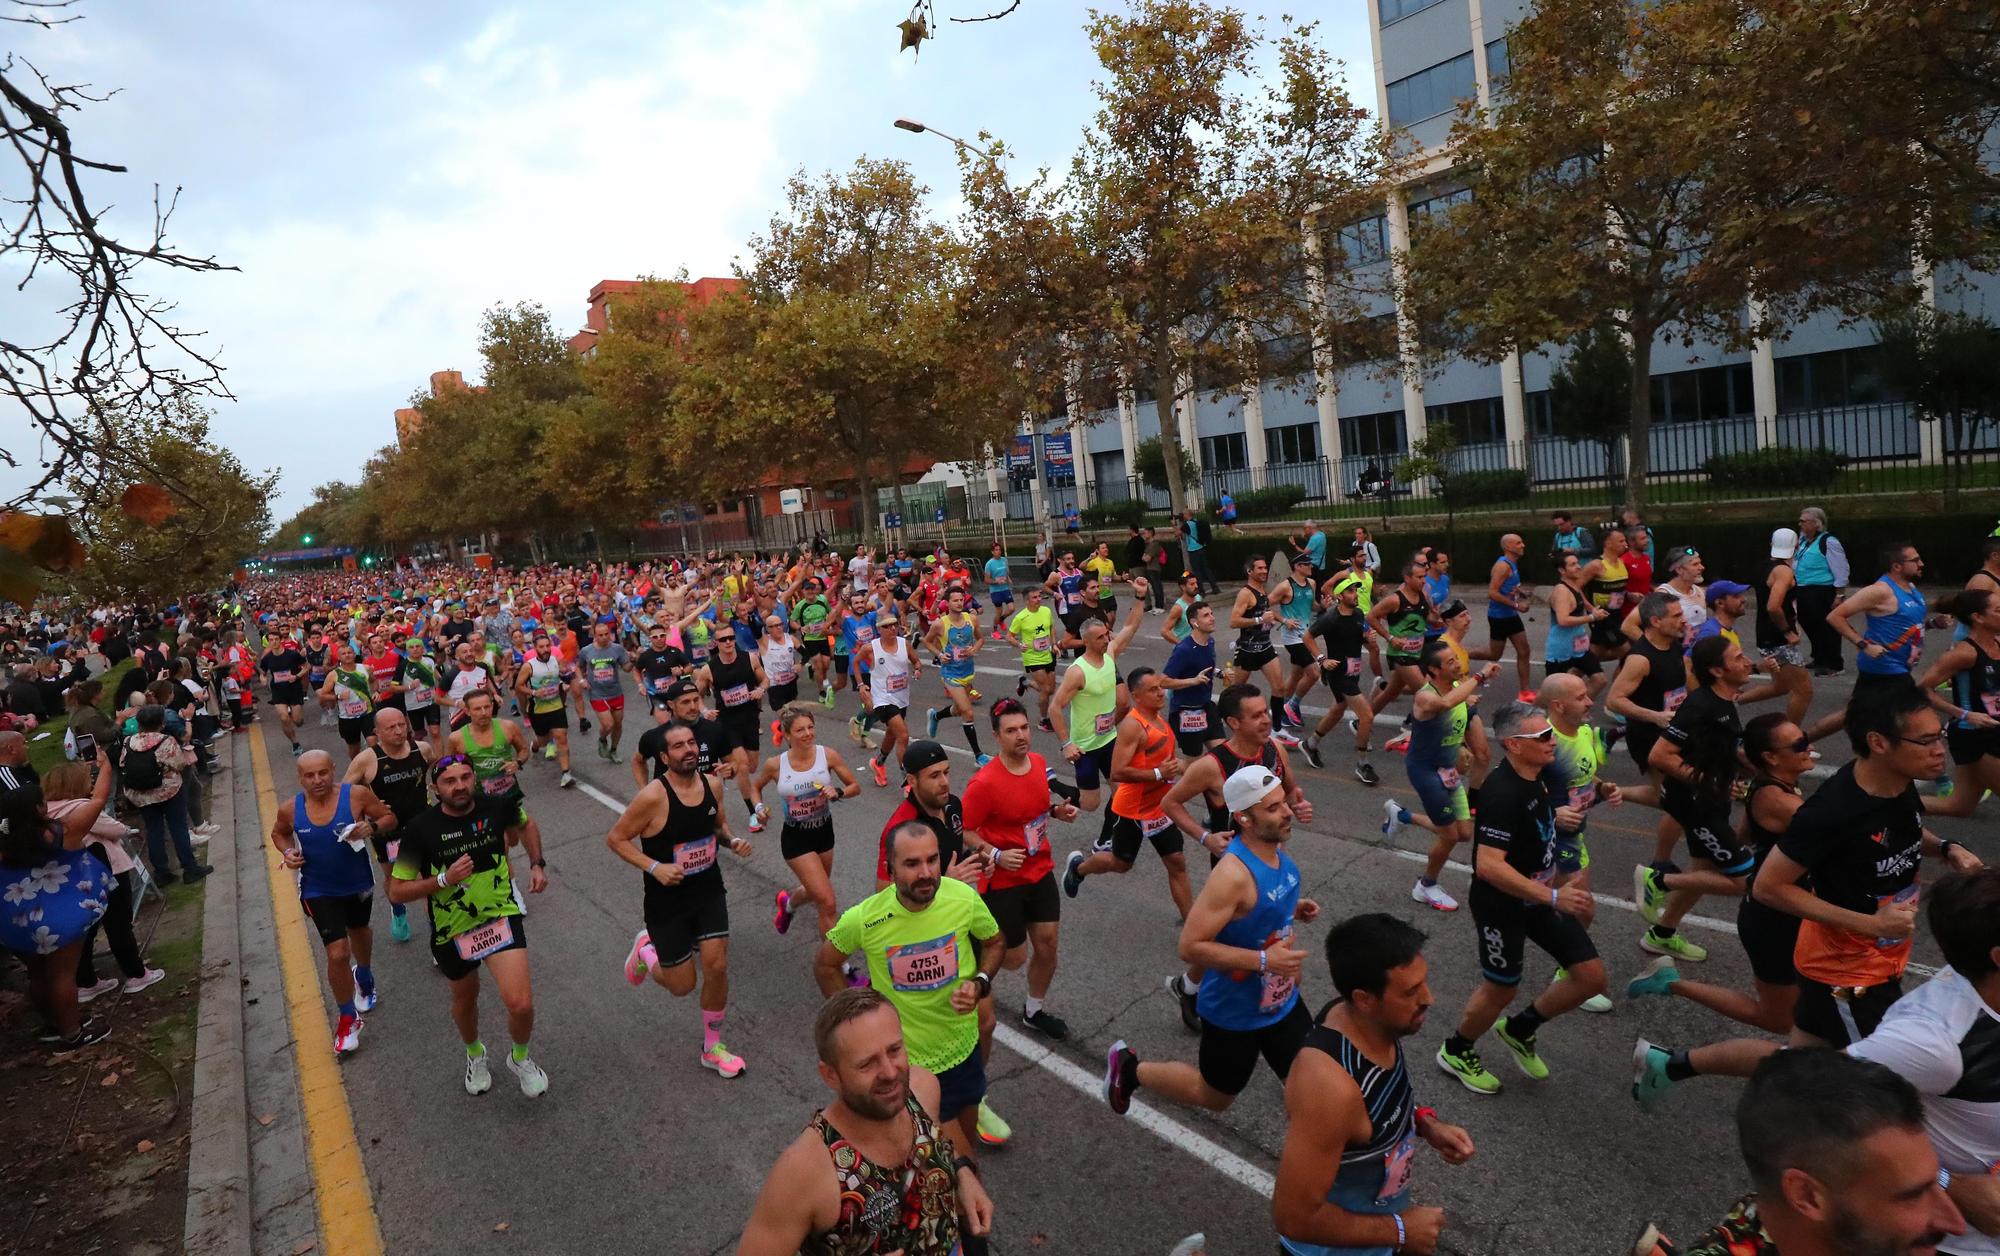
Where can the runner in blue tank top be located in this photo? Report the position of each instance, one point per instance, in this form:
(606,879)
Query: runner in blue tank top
(323,835)
(1240,931)
(1343,1185)
(1891,642)
(1506,598)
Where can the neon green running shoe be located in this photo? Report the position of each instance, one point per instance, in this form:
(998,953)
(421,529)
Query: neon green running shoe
(1648,893)
(1656,943)
(1469,1069)
(993,1132)
(1524,1051)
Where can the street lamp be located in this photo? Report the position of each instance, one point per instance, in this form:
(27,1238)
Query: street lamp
(917,128)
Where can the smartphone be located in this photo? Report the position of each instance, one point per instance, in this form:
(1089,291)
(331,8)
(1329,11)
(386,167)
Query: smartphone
(86,746)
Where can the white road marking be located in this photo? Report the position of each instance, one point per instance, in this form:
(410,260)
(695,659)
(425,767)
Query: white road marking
(1168,1130)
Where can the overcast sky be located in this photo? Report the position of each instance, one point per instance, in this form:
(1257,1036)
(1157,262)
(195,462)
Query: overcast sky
(382,173)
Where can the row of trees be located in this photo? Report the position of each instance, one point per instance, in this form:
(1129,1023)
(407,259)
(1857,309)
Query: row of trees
(1701,171)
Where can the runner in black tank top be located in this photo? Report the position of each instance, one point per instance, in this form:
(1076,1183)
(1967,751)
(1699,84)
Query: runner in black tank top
(400,782)
(1666,674)
(1772,635)
(1767,934)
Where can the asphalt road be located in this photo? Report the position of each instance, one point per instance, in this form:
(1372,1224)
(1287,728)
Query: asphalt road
(637,1148)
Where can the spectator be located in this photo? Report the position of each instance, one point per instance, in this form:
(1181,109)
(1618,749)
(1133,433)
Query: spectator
(1072,519)
(53,675)
(24,697)
(1159,560)
(1820,567)
(155,788)
(1195,538)
(1571,538)
(1312,544)
(14,757)
(54,891)
(68,787)
(1135,550)
(1371,558)
(86,717)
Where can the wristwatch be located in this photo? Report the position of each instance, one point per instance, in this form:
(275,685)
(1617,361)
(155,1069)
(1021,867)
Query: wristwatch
(538,863)
(985,984)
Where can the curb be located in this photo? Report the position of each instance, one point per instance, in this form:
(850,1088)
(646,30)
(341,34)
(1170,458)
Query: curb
(218,1208)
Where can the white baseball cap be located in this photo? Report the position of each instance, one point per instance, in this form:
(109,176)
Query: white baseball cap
(1248,786)
(1784,543)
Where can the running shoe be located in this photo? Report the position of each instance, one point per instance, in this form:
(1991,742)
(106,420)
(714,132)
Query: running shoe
(347,1035)
(1311,748)
(366,1001)
(85,994)
(1177,986)
(1469,1069)
(972,693)
(478,1074)
(1046,727)
(582,725)
(1656,980)
(854,733)
(998,635)
(1121,1077)
(1653,1243)
(880,773)
(1400,743)
(1595,1003)
(1527,696)
(1365,773)
(1021,684)
(1649,893)
(635,959)
(930,722)
(757,815)
(1286,738)
(1650,1082)
(1524,1051)
(89,1034)
(1071,881)
(549,751)
(991,1130)
(603,748)
(722,1060)
(1353,722)
(782,920)
(297,750)
(1046,1023)
(826,696)
(1433,896)
(566,781)
(777,733)
(1614,735)
(1381,683)
(534,1081)
(399,926)
(1657,943)
(1292,711)
(1394,817)
(981,760)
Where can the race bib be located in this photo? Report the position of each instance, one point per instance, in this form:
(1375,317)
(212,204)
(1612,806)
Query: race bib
(1583,797)
(1035,835)
(1991,701)
(1448,777)
(919,966)
(658,684)
(283,678)
(896,683)
(1155,826)
(482,940)
(603,671)
(1675,697)
(1194,720)
(1277,989)
(498,786)
(864,634)
(784,675)
(353,708)
(736,695)
(544,690)
(1042,645)
(808,805)
(1582,643)
(697,856)
(1354,666)
(1106,722)
(1396,1169)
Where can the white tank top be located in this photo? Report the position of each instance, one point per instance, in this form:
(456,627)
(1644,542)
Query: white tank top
(781,661)
(804,792)
(889,684)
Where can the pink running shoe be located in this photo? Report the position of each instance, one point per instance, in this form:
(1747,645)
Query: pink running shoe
(640,958)
(722,1060)
(782,922)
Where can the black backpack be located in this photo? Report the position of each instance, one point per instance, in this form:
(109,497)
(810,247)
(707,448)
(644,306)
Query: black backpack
(141,770)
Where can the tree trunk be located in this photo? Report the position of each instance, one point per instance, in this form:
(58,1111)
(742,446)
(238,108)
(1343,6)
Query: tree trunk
(1638,441)
(1165,385)
(865,485)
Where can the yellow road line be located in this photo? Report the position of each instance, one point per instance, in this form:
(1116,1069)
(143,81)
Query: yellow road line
(347,1222)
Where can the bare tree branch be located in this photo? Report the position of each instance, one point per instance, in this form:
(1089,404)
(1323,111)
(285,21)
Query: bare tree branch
(990,17)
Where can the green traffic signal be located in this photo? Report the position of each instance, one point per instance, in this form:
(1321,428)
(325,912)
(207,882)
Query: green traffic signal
(308,539)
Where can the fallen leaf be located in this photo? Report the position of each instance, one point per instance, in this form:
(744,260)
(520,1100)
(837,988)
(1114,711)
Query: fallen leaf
(502,1227)
(149,504)
(267,1118)
(305,1245)
(145,1145)
(110,1079)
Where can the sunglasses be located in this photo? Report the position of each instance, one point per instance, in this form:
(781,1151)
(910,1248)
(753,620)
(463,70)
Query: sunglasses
(449,761)
(1797,747)
(1547,735)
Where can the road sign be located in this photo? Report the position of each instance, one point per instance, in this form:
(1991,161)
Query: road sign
(792,501)
(892,520)
(937,516)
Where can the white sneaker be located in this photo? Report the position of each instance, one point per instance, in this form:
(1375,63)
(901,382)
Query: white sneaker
(1433,896)
(85,994)
(347,1035)
(533,1080)
(1392,821)
(135,984)
(478,1076)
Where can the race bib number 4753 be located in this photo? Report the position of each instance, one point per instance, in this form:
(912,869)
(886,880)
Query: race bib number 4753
(921,966)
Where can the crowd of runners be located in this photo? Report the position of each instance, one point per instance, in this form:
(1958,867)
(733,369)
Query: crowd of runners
(455,692)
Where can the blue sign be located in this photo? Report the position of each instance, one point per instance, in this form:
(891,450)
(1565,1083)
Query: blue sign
(892,520)
(689,514)
(1056,460)
(937,516)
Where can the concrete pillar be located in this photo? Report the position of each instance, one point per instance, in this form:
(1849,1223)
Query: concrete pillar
(1034,485)
(996,502)
(1079,434)
(1479,40)
(1326,388)
(1253,430)
(1128,430)
(1514,410)
(1406,329)
(1763,380)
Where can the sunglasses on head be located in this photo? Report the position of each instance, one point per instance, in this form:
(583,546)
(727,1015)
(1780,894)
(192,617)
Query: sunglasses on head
(1547,734)
(449,761)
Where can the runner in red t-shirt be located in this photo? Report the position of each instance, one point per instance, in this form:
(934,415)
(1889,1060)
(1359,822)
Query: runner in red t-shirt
(1008,805)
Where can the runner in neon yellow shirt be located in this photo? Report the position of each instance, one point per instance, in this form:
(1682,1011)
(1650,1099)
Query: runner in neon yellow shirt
(1033,628)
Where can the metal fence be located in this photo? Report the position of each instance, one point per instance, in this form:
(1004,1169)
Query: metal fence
(1849,450)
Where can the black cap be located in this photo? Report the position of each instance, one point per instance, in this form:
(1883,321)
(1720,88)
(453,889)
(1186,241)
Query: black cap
(921,754)
(679,688)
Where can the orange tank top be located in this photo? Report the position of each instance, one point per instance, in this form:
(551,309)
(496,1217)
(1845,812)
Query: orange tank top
(1141,800)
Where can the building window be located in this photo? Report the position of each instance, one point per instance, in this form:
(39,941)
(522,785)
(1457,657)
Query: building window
(1541,416)
(1441,203)
(1397,10)
(1372,435)
(1428,93)
(1295,442)
(1706,394)
(1364,243)
(1498,64)
(1479,422)
(1226,452)
(1108,467)
(1840,377)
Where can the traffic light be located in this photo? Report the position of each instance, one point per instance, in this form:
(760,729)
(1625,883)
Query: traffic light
(368,561)
(307,538)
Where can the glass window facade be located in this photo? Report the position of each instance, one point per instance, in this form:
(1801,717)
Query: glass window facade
(1839,377)
(1397,10)
(1430,92)
(1227,452)
(1295,442)
(1476,422)
(1372,435)
(1364,243)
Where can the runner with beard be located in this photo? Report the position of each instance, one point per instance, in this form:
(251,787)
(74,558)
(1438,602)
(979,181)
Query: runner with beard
(671,831)
(317,651)
(658,665)
(420,694)
(1652,683)
(347,692)
(396,770)
(715,749)
(284,665)
(734,679)
(539,686)
(1144,767)
(1190,681)
(1344,630)
(1253,617)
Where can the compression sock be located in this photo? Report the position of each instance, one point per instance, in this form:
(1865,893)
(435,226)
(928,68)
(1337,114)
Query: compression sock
(1031,1005)
(520,1052)
(1679,1067)
(867,720)
(364,977)
(711,1030)
(882,755)
(473,1050)
(972,736)
(347,1009)
(1523,1024)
